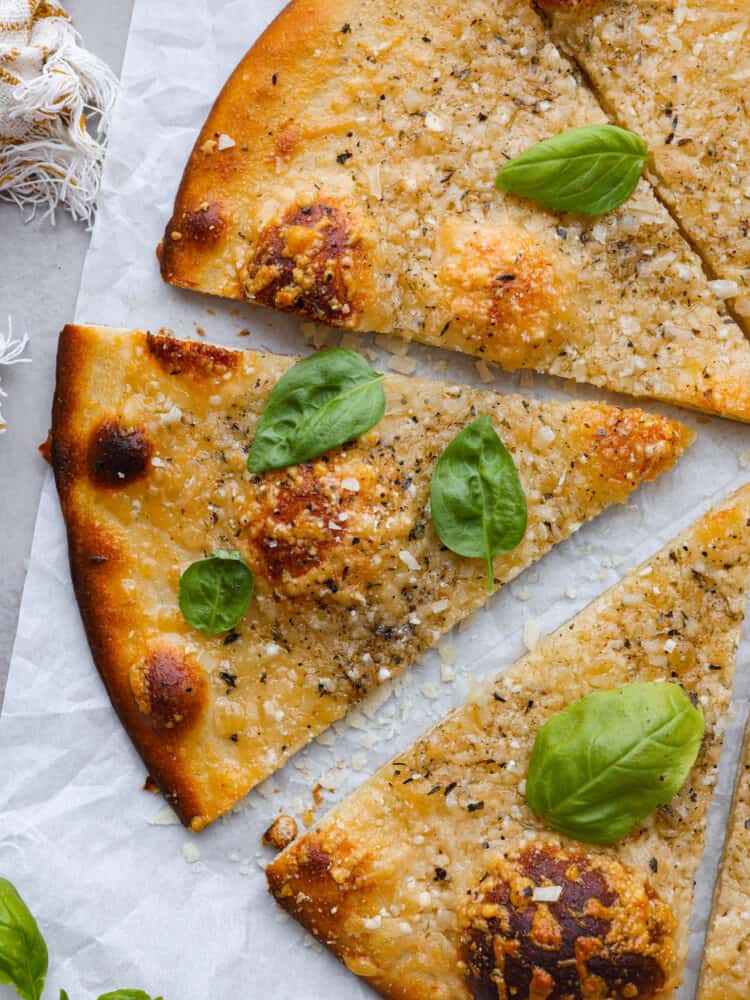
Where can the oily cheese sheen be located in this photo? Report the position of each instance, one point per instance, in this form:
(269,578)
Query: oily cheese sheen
(149,447)
(346,173)
(726,961)
(678,75)
(440,846)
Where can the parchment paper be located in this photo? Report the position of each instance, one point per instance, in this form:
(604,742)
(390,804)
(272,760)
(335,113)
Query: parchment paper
(124,896)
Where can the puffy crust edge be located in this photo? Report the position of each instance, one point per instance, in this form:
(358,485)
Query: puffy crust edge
(282,49)
(104,615)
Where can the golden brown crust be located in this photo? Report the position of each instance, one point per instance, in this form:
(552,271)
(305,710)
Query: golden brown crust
(268,82)
(97,562)
(726,963)
(389,137)
(411,854)
(150,440)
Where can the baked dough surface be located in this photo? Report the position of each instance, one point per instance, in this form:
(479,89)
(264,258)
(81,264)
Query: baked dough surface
(346,173)
(678,74)
(726,961)
(386,878)
(150,440)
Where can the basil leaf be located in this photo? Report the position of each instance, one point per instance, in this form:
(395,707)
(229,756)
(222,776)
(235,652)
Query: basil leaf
(591,170)
(64,995)
(477,501)
(128,995)
(215,592)
(23,953)
(607,761)
(321,402)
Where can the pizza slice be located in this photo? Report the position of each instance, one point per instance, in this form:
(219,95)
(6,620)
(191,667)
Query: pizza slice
(440,847)
(149,446)
(726,961)
(346,174)
(677,74)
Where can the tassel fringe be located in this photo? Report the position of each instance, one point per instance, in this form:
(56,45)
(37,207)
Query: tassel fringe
(59,160)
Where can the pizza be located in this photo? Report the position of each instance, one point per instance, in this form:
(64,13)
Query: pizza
(346,174)
(149,447)
(440,847)
(726,968)
(677,74)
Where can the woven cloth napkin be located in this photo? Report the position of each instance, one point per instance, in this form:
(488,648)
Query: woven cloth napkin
(49,86)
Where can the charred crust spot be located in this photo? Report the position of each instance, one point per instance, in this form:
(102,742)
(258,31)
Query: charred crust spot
(179,357)
(203,225)
(607,933)
(117,456)
(306,264)
(169,688)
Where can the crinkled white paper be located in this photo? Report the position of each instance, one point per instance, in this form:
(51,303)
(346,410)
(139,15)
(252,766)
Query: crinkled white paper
(125,896)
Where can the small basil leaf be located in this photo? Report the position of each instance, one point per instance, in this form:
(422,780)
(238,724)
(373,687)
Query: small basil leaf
(23,953)
(128,995)
(321,402)
(64,995)
(215,592)
(477,501)
(591,170)
(605,762)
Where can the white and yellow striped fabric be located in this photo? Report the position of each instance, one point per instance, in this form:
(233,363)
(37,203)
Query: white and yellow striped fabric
(49,84)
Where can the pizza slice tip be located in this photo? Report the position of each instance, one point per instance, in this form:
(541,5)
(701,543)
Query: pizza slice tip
(150,443)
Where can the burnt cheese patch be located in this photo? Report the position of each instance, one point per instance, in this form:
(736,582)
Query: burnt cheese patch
(179,357)
(169,688)
(307,262)
(118,455)
(503,288)
(626,445)
(318,523)
(564,924)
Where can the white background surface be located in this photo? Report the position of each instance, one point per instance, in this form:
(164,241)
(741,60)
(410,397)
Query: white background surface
(125,897)
(40,268)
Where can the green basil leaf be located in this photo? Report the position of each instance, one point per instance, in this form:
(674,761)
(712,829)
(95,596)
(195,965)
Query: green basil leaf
(477,501)
(321,402)
(128,995)
(64,995)
(23,953)
(607,761)
(215,592)
(591,170)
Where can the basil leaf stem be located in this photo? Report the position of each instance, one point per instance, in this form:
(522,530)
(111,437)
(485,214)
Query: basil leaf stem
(477,501)
(320,403)
(589,170)
(23,953)
(605,762)
(215,592)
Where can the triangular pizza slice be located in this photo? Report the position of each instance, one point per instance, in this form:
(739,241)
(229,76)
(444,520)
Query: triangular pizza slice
(435,878)
(678,75)
(346,174)
(149,446)
(726,960)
